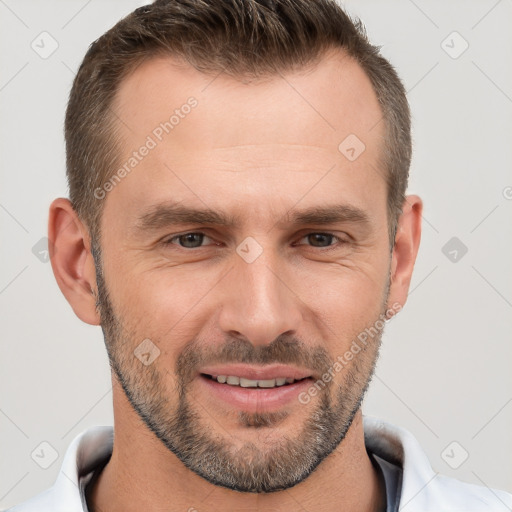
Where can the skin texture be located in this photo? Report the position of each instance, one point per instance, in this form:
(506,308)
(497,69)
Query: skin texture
(257,151)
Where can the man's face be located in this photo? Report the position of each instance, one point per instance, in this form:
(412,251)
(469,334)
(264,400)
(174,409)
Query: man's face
(274,287)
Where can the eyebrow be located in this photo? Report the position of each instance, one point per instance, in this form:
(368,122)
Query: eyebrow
(328,214)
(167,214)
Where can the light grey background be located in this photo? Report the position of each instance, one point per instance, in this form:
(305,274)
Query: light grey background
(444,371)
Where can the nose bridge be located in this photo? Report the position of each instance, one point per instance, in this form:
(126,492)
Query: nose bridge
(259,305)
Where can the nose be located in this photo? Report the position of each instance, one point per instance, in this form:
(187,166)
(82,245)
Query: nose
(258,303)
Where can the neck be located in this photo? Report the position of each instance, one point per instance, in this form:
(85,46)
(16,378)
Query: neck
(143,474)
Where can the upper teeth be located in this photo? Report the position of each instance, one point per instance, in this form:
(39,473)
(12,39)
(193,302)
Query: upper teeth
(249,383)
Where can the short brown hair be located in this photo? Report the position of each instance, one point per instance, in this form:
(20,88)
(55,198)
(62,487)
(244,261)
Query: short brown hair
(240,38)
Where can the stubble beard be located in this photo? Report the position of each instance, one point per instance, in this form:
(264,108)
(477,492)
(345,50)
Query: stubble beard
(254,467)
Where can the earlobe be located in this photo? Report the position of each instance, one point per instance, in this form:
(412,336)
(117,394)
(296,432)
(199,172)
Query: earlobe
(72,261)
(405,250)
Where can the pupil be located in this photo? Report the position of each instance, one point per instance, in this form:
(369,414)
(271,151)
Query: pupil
(192,240)
(320,239)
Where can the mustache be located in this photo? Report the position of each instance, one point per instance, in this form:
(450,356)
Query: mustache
(285,349)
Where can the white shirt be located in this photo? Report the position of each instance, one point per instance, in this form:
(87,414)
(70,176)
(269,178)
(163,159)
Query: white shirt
(411,484)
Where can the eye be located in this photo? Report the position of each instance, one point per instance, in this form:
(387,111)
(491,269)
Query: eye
(191,240)
(321,239)
(195,239)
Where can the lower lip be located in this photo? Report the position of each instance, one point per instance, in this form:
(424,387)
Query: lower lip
(256,399)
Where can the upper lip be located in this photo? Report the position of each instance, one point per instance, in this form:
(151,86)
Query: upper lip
(267,372)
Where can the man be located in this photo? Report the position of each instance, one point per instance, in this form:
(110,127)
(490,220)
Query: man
(238,226)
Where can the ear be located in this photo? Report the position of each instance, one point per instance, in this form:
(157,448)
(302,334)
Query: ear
(72,261)
(405,250)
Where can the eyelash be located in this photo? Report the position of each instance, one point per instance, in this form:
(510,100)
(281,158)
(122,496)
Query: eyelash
(336,238)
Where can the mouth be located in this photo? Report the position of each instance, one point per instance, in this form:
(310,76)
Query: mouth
(255,389)
(234,380)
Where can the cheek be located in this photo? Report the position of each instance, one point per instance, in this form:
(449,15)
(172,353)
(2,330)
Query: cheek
(174,305)
(344,304)
(162,306)
(352,289)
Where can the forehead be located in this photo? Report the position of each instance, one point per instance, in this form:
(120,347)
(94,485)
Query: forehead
(212,133)
(332,96)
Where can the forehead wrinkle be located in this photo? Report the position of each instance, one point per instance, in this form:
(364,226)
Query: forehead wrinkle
(241,158)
